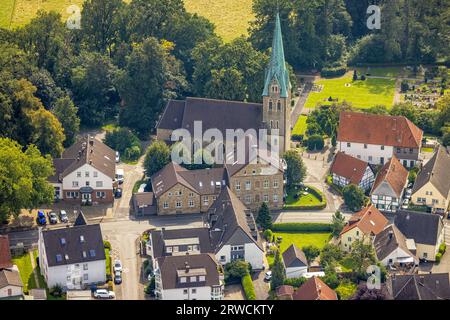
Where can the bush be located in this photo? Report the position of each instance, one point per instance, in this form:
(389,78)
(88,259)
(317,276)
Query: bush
(438,257)
(363,78)
(249,290)
(404,86)
(56,290)
(121,140)
(346,290)
(442,248)
(329,72)
(315,142)
(302,227)
(235,270)
(133,153)
(295,282)
(297,137)
(268,235)
(107,244)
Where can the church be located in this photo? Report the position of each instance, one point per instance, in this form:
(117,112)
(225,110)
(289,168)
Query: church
(274,114)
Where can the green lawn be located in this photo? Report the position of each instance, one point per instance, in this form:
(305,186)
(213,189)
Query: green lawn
(301,239)
(382,71)
(362,94)
(6,9)
(427,149)
(300,126)
(303,200)
(23,262)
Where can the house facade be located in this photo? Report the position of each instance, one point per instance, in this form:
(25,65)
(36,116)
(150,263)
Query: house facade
(85,173)
(389,185)
(432,185)
(11,286)
(377,138)
(72,257)
(349,170)
(295,262)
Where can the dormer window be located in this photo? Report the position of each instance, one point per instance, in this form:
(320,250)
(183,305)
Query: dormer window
(193,279)
(169,249)
(58,258)
(81,238)
(183,280)
(92,253)
(63,241)
(202,278)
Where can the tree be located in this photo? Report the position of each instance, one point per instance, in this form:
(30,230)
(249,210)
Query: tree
(311,252)
(23,179)
(296,170)
(268,235)
(278,272)
(331,278)
(48,134)
(156,157)
(354,197)
(66,112)
(407,110)
(315,142)
(361,256)
(337,223)
(121,139)
(364,293)
(330,255)
(264,219)
(236,269)
(355,75)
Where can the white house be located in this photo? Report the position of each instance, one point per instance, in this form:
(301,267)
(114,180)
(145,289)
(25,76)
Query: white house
(347,169)
(188,277)
(377,138)
(387,191)
(10,283)
(295,262)
(85,173)
(392,248)
(72,257)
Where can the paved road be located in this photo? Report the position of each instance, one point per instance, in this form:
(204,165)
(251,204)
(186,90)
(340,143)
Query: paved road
(28,237)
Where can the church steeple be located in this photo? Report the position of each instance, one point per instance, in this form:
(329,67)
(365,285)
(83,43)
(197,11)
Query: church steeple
(277,70)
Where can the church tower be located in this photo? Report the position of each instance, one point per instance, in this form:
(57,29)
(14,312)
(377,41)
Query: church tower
(277,93)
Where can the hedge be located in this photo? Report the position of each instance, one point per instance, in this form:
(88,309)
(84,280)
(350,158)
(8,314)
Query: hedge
(297,137)
(442,248)
(438,257)
(249,290)
(302,227)
(333,71)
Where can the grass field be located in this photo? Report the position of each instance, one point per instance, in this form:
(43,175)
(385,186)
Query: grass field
(300,126)
(23,263)
(303,200)
(383,71)
(231,17)
(361,94)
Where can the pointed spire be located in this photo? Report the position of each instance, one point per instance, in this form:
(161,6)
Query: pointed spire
(277,66)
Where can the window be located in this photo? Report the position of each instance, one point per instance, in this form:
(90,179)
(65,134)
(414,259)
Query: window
(101,194)
(191,194)
(178,204)
(398,150)
(193,279)
(165,205)
(194,291)
(270,105)
(275,184)
(202,278)
(78,174)
(349,239)
(365,146)
(277,124)
(92,253)
(9,292)
(170,194)
(182,280)
(191,203)
(253,171)
(87,183)
(75,184)
(370,158)
(85,277)
(266,198)
(358,156)
(237,248)
(58,258)
(435,201)
(411,163)
(349,144)
(69,278)
(222,258)
(405,163)
(85,266)
(205,201)
(72,194)
(425,255)
(81,238)
(99,184)
(84,254)
(266,184)
(357,232)
(410,150)
(86,174)
(238,185)
(95,174)
(382,160)
(275,198)
(278,105)
(248,185)
(169,249)
(271,124)
(248,199)
(382,147)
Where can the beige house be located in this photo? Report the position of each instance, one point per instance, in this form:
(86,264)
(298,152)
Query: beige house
(432,185)
(425,229)
(363,226)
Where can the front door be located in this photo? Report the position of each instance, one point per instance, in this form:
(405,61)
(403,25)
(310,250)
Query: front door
(86,198)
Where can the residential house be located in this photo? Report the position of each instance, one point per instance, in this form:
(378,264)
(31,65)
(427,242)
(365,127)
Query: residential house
(377,138)
(178,190)
(284,292)
(426,229)
(5,253)
(295,262)
(85,173)
(314,289)
(188,277)
(363,226)
(144,203)
(11,286)
(387,191)
(393,249)
(432,185)
(349,170)
(72,257)
(273,114)
(433,286)
(233,231)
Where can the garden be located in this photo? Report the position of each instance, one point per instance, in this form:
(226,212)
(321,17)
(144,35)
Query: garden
(305,198)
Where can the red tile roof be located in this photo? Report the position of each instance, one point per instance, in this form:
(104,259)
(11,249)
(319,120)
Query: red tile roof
(384,130)
(5,253)
(394,174)
(314,289)
(349,167)
(369,220)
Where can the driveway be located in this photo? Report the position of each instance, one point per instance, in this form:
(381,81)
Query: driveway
(234,292)
(261,287)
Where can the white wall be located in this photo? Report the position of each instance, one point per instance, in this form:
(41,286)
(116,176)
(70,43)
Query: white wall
(253,254)
(296,272)
(15,291)
(394,255)
(203,293)
(67,181)
(96,273)
(357,149)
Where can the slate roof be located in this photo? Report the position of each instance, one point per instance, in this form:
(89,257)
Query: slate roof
(228,216)
(76,244)
(172,266)
(369,220)
(424,228)
(173,115)
(5,253)
(158,237)
(10,278)
(142,199)
(87,150)
(285,290)
(433,286)
(349,167)
(394,174)
(436,171)
(294,257)
(314,289)
(389,240)
(385,130)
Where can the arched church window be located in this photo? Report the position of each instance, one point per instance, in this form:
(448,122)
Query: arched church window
(270,105)
(278,105)
(277,124)
(271,124)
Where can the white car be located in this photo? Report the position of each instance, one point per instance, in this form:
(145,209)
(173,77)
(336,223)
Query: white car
(120,176)
(405,204)
(117,266)
(408,194)
(104,294)
(268,276)
(63,216)
(117,157)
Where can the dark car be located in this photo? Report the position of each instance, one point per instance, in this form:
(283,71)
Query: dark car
(52,218)
(118,193)
(41,220)
(118,277)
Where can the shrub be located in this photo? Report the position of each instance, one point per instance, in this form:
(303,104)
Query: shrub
(355,75)
(346,290)
(438,257)
(404,86)
(297,137)
(363,78)
(442,248)
(316,142)
(107,244)
(122,139)
(249,290)
(302,227)
(235,270)
(56,290)
(132,153)
(268,235)
(329,72)
(295,282)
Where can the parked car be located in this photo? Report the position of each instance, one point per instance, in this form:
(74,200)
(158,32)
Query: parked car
(268,276)
(408,193)
(117,157)
(117,266)
(52,217)
(120,176)
(118,193)
(405,204)
(63,216)
(118,277)
(41,219)
(104,294)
